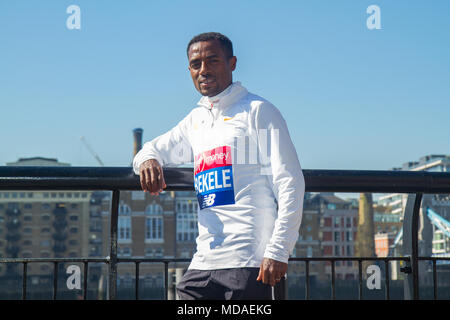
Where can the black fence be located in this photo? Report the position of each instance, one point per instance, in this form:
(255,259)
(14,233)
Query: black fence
(177,179)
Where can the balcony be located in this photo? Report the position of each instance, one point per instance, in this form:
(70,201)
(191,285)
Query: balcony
(416,184)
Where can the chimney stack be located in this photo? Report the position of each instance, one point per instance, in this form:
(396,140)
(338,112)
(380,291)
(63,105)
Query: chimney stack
(137,133)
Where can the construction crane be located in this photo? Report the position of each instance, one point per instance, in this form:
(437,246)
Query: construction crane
(83,139)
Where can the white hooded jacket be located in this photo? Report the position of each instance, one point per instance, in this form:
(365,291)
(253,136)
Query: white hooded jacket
(248,179)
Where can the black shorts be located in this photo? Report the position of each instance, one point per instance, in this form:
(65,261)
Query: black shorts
(223,284)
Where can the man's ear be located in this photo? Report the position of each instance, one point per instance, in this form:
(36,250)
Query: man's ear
(232,62)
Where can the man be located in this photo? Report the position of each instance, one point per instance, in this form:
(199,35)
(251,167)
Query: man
(248,180)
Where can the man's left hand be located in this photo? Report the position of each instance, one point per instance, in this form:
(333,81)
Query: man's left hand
(271,271)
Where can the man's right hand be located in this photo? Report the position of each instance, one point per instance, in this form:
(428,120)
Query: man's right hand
(152,177)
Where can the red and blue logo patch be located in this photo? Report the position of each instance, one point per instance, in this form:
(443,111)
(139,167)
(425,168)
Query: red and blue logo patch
(213,177)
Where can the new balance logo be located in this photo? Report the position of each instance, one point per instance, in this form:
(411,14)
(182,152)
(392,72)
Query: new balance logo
(209,199)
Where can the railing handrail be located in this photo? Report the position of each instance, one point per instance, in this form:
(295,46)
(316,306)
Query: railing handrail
(123,178)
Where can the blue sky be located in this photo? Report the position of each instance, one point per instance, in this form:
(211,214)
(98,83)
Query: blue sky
(353,98)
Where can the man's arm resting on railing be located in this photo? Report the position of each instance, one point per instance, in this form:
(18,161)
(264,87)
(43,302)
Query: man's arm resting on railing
(173,147)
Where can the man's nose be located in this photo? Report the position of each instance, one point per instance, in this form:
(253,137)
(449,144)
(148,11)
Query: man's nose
(204,69)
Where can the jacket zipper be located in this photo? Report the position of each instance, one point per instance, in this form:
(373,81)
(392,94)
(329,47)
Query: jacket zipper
(212,116)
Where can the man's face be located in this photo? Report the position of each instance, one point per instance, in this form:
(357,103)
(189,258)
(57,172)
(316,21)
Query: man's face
(211,70)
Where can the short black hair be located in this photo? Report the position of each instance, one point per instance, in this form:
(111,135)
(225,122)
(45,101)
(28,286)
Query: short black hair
(226,44)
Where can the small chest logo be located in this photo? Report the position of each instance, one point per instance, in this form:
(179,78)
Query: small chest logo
(209,199)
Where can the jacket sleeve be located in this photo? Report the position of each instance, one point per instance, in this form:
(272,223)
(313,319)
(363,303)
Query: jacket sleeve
(170,148)
(279,162)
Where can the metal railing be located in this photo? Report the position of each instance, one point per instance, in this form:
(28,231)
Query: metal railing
(177,179)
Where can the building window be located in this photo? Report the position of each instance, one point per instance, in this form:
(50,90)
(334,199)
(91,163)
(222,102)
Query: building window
(337,222)
(154,209)
(125,251)
(337,251)
(95,225)
(159,253)
(124,209)
(73,218)
(348,221)
(186,253)
(124,223)
(27,230)
(27,206)
(187,229)
(337,236)
(27,217)
(154,224)
(148,252)
(45,230)
(45,217)
(348,236)
(187,206)
(45,206)
(45,243)
(73,230)
(124,228)
(154,228)
(349,251)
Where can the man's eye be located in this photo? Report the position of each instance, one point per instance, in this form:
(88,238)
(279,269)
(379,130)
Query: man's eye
(195,65)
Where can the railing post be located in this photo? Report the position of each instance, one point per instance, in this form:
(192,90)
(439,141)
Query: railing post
(112,283)
(411,246)
(308,290)
(166,280)
(85,280)
(24,281)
